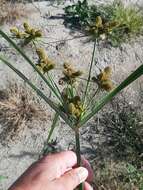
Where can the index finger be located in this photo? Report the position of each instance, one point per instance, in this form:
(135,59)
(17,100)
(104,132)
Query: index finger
(87,165)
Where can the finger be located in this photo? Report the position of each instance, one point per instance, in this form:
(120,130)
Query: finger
(87,186)
(72,179)
(87,165)
(57,164)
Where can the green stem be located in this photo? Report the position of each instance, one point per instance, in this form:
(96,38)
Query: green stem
(89,75)
(46,144)
(80,187)
(90,103)
(55,120)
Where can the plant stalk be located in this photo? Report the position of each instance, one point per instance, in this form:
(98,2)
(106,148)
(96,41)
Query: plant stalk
(80,187)
(89,74)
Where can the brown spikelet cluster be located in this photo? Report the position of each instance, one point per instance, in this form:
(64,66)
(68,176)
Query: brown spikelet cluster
(44,63)
(76,107)
(104,79)
(29,34)
(31,31)
(101,29)
(73,105)
(70,74)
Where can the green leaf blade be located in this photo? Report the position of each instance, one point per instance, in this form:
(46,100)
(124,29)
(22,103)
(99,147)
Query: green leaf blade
(135,75)
(55,120)
(11,42)
(54,106)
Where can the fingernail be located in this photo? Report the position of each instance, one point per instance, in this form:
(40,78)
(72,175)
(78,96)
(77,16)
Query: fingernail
(82,173)
(90,188)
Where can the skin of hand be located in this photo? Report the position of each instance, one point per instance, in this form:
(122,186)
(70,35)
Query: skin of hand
(55,171)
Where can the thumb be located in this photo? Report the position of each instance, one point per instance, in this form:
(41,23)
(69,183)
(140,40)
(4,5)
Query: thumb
(72,179)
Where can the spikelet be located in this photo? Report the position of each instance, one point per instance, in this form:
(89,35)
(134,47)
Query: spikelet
(107,85)
(29,34)
(44,63)
(41,53)
(98,22)
(71,108)
(104,79)
(105,74)
(27,27)
(15,31)
(75,107)
(70,74)
(38,33)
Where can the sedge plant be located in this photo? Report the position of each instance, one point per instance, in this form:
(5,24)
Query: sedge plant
(74,107)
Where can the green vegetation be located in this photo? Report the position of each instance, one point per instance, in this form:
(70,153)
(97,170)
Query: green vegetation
(124,129)
(111,175)
(114,23)
(118,163)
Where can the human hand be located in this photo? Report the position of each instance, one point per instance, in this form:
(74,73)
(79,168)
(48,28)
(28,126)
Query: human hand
(55,171)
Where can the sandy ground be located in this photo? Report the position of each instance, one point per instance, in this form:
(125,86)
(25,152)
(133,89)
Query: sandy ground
(15,157)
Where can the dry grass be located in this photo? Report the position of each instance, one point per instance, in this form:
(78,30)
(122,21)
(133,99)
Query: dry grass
(119,159)
(111,175)
(18,108)
(9,11)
